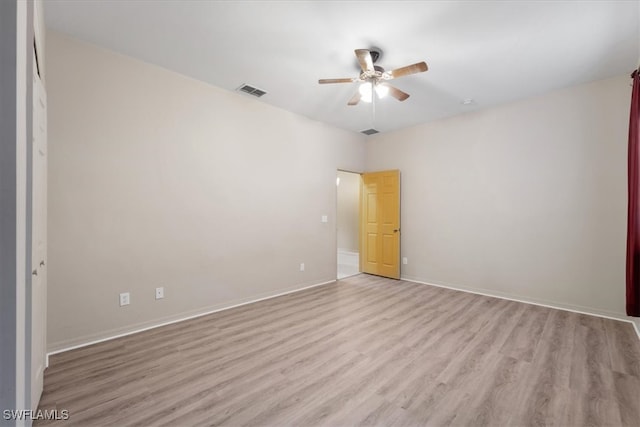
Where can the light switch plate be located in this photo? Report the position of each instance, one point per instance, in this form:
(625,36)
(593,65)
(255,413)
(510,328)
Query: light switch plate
(125,299)
(325,218)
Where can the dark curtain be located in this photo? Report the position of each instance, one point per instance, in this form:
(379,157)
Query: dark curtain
(633,219)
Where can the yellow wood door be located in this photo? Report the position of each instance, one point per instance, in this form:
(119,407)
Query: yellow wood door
(380,224)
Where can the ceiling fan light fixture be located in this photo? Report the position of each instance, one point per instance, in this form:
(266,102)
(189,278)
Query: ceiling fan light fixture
(382,91)
(365,91)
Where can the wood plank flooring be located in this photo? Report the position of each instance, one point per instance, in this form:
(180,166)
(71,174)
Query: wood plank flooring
(362,351)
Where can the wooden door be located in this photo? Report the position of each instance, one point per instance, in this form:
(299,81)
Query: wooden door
(38,241)
(380,224)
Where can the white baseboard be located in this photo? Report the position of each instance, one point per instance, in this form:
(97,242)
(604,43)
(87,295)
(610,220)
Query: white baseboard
(348,257)
(581,310)
(161,323)
(573,309)
(348,252)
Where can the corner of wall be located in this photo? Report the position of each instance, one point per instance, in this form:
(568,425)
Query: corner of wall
(636,325)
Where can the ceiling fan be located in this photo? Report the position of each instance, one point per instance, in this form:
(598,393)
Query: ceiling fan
(375,77)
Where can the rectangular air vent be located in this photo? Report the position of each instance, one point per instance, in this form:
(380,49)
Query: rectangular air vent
(251,90)
(370,131)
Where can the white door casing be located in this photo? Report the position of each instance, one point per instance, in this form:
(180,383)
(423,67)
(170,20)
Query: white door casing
(39,240)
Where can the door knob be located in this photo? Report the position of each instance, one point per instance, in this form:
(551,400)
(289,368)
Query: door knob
(396,230)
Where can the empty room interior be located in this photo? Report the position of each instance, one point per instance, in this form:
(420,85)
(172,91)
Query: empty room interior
(318,213)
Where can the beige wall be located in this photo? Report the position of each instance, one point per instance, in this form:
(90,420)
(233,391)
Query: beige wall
(526,200)
(348,211)
(159,180)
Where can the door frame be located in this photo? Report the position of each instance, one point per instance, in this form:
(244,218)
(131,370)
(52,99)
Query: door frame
(37,87)
(361,223)
(336,217)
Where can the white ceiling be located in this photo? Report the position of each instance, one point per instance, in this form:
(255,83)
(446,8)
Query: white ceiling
(490,51)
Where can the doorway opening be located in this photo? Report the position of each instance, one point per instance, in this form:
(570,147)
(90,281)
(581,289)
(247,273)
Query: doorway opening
(348,223)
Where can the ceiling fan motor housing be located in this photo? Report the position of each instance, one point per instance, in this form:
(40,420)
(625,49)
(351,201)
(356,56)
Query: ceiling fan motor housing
(375,54)
(376,75)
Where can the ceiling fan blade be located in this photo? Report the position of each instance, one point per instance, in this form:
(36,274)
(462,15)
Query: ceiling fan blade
(409,69)
(397,93)
(355,99)
(365,60)
(325,81)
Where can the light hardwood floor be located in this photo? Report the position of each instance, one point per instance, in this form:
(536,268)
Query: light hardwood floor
(362,351)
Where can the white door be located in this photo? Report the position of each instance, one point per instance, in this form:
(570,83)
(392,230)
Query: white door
(39,241)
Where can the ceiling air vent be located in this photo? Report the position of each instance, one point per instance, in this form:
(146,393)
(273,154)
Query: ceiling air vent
(370,131)
(251,90)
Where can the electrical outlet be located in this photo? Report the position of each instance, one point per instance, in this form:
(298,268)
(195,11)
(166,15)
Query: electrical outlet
(324,218)
(159,293)
(125,299)
(405,261)
(302,266)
